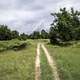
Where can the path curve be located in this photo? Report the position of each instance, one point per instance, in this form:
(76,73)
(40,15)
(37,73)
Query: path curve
(37,63)
(51,63)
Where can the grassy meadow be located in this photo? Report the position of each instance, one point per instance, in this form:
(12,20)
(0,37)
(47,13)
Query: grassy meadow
(17,64)
(67,60)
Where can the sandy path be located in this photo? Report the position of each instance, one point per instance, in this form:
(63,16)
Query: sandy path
(37,63)
(51,63)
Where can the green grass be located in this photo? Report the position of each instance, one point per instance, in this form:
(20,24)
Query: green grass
(18,65)
(12,44)
(46,72)
(68,60)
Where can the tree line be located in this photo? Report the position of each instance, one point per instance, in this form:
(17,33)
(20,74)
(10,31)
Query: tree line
(7,34)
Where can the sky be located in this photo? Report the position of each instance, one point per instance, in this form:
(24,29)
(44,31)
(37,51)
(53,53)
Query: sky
(30,15)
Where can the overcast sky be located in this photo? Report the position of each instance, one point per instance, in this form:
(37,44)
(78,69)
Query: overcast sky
(29,15)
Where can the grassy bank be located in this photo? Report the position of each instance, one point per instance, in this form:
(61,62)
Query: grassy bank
(18,65)
(68,60)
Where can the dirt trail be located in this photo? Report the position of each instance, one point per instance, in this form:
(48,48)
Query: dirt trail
(51,63)
(37,63)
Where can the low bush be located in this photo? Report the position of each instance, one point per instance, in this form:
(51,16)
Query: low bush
(12,45)
(19,46)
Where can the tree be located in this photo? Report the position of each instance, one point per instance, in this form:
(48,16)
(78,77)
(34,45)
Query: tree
(65,25)
(14,34)
(35,35)
(44,34)
(5,33)
(23,36)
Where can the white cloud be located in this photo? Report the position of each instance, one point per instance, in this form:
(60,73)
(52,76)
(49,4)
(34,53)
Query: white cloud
(28,15)
(68,4)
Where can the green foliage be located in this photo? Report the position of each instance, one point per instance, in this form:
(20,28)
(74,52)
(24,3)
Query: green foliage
(14,34)
(18,46)
(39,35)
(7,34)
(66,26)
(23,36)
(44,34)
(12,45)
(35,35)
(54,36)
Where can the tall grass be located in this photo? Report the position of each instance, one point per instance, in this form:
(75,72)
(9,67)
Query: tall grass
(68,60)
(18,65)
